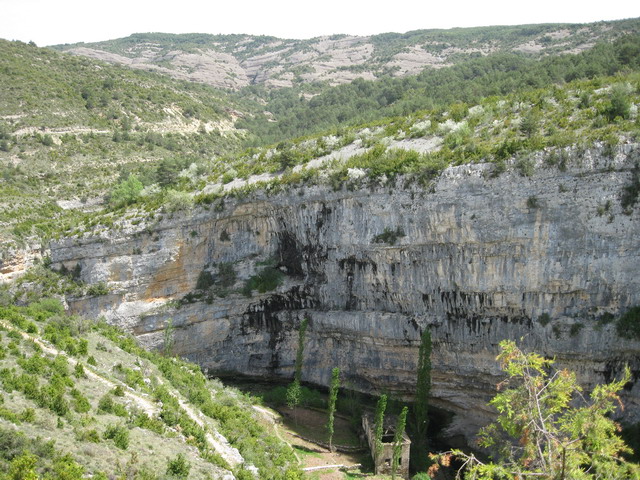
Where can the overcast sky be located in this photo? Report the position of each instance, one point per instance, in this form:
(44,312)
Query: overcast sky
(49,22)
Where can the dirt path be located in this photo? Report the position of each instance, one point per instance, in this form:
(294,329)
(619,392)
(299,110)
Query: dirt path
(291,426)
(141,400)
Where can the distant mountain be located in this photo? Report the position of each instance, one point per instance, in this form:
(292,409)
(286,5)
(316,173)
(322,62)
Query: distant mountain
(236,61)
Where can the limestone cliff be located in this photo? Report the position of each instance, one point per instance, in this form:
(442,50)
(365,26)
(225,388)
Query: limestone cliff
(475,257)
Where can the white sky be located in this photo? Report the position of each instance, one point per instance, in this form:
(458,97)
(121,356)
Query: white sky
(49,22)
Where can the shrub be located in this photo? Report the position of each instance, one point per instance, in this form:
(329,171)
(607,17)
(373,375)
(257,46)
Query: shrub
(120,410)
(205,280)
(532,202)
(266,280)
(105,404)
(178,466)
(59,404)
(176,201)
(28,415)
(119,434)
(606,318)
(142,420)
(66,468)
(525,167)
(575,329)
(631,191)
(619,104)
(628,325)
(78,371)
(226,274)
(100,288)
(389,236)
(81,403)
(126,192)
(544,319)
(49,306)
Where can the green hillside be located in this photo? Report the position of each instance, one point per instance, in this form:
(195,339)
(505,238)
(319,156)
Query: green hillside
(71,127)
(79,398)
(469,81)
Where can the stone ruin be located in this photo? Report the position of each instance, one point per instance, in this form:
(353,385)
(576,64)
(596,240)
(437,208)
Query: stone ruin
(382,458)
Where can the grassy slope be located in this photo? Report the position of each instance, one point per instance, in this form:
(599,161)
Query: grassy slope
(159,407)
(70,127)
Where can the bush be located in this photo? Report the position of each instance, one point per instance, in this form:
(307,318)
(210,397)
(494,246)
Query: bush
(532,202)
(205,280)
(178,466)
(525,167)
(575,329)
(266,280)
(389,236)
(628,325)
(544,319)
(46,305)
(119,434)
(226,274)
(81,403)
(619,104)
(176,201)
(105,404)
(126,192)
(99,288)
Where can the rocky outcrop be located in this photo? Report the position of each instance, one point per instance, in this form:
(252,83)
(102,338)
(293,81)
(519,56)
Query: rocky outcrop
(474,257)
(235,61)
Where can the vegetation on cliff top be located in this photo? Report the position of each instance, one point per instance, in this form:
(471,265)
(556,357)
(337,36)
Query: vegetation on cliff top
(82,141)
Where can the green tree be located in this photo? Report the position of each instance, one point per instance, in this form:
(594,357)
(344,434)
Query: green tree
(294,393)
(550,437)
(126,192)
(420,426)
(619,103)
(333,396)
(300,353)
(167,171)
(169,339)
(66,468)
(398,438)
(178,466)
(381,406)
(23,467)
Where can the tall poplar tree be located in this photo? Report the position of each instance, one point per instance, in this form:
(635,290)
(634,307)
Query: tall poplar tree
(398,440)
(333,396)
(420,427)
(381,406)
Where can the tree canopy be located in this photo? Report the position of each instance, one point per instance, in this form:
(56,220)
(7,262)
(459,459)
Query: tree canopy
(545,427)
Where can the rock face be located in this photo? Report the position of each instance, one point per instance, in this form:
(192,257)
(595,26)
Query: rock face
(476,258)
